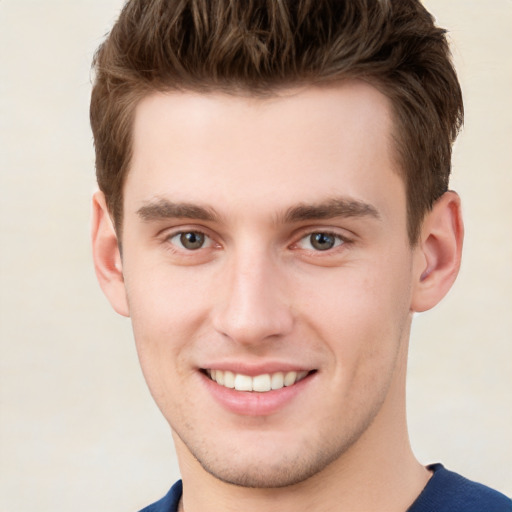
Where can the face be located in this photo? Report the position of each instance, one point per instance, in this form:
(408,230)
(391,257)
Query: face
(268,275)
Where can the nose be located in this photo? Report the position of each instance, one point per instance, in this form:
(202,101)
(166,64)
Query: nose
(253,306)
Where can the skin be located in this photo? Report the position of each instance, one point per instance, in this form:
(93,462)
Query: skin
(257,177)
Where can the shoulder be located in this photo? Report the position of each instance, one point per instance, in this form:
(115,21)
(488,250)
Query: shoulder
(169,503)
(447,491)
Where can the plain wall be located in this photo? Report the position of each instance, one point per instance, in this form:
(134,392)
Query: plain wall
(78,429)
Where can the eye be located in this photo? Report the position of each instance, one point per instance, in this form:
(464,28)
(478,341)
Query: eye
(190,240)
(320,241)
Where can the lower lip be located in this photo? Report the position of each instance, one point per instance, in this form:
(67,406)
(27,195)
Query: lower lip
(253,403)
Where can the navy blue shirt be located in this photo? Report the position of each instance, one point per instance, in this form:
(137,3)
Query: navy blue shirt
(445,492)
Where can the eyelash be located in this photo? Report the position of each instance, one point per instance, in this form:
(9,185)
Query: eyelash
(339,241)
(208,239)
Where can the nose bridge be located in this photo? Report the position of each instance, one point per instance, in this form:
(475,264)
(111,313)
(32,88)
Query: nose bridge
(253,305)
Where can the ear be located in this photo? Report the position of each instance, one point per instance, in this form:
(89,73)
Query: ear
(106,255)
(438,253)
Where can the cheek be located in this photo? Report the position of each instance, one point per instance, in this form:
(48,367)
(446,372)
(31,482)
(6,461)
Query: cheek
(164,302)
(361,314)
(167,311)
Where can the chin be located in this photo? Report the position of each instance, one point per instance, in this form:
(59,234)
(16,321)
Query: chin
(267,466)
(277,474)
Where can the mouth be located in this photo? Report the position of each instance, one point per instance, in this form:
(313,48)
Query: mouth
(259,383)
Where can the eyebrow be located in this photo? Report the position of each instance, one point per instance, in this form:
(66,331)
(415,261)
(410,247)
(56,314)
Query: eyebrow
(164,209)
(336,207)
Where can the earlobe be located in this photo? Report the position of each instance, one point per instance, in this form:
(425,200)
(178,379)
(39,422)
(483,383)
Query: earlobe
(107,257)
(438,253)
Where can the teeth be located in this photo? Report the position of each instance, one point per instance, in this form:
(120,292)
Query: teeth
(260,383)
(277,380)
(229,379)
(290,378)
(242,382)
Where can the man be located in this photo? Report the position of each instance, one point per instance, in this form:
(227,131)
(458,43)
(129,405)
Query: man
(273,208)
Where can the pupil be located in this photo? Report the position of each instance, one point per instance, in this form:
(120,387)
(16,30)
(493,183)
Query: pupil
(322,241)
(192,240)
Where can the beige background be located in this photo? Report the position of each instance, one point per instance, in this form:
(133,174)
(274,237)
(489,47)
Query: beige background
(78,430)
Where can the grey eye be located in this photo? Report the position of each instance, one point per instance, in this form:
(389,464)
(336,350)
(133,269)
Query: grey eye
(191,240)
(322,241)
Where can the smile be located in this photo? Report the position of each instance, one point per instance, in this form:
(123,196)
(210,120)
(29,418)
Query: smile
(259,383)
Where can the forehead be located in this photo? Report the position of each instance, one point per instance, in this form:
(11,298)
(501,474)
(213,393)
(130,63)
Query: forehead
(296,146)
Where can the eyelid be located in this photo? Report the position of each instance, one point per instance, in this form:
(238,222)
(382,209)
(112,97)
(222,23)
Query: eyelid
(208,242)
(167,234)
(307,232)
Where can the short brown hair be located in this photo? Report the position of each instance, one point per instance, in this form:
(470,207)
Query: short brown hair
(261,46)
